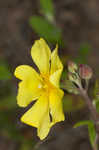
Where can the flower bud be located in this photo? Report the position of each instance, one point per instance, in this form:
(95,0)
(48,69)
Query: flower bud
(72,67)
(71,76)
(85,71)
(74,78)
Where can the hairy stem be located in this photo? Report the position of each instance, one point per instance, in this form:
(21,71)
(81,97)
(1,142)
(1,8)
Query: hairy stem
(94,114)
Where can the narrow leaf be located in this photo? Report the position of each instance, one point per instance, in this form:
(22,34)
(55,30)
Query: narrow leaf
(91,129)
(47,8)
(45,29)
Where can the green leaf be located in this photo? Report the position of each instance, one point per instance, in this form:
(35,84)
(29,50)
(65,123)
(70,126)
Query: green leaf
(82,123)
(91,129)
(4,72)
(45,29)
(92,132)
(47,9)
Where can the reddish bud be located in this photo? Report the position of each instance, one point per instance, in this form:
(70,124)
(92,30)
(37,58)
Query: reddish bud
(85,71)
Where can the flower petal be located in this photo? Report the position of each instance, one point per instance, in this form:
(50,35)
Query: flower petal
(31,86)
(24,71)
(45,126)
(55,102)
(38,116)
(41,53)
(56,68)
(27,92)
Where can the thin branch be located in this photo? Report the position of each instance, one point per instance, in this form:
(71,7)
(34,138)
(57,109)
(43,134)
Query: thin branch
(91,107)
(95,115)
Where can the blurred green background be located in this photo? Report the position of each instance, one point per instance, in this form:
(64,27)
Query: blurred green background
(74,25)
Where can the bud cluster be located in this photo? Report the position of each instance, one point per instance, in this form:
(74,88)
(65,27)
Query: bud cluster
(77,73)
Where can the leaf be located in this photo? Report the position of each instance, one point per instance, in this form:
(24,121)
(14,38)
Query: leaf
(92,133)
(82,123)
(45,29)
(47,9)
(72,103)
(91,129)
(4,72)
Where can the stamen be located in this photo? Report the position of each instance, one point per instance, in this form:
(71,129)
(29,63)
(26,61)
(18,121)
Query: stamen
(39,86)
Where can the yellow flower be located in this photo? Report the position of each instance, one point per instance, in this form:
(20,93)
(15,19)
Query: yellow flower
(43,87)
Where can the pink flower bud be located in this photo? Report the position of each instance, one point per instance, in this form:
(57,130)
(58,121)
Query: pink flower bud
(85,71)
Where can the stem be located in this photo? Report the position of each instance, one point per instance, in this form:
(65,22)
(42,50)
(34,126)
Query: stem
(91,107)
(94,114)
(86,85)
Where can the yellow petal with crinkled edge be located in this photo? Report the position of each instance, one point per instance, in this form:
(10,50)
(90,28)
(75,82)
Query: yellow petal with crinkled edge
(31,86)
(41,53)
(55,104)
(56,68)
(38,116)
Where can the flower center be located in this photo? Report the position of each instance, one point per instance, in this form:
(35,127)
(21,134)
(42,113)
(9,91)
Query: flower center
(40,86)
(47,85)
